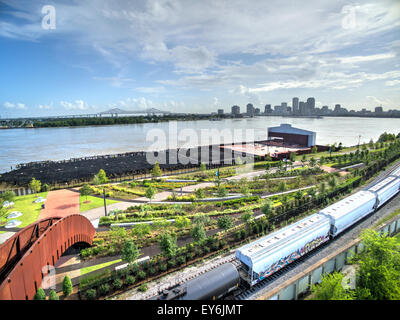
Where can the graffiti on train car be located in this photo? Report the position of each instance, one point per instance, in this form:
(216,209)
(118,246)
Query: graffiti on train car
(293,256)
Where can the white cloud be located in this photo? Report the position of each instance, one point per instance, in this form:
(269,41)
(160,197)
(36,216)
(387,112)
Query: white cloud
(10,105)
(77,105)
(358,59)
(392,83)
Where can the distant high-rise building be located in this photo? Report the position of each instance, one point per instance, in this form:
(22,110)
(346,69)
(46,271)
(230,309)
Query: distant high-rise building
(235,110)
(337,108)
(295,105)
(378,109)
(302,108)
(311,105)
(220,112)
(250,110)
(267,108)
(257,111)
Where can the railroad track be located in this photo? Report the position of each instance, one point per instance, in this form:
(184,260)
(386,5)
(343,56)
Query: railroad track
(244,292)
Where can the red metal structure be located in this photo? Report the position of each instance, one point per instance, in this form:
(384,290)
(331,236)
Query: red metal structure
(23,256)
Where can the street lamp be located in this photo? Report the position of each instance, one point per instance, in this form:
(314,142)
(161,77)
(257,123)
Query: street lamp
(104,197)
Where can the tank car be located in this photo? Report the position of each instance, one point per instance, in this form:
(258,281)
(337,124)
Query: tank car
(211,285)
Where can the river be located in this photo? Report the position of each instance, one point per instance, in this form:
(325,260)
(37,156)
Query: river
(27,145)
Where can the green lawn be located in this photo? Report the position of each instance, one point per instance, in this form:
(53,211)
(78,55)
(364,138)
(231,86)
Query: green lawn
(30,210)
(98,266)
(95,202)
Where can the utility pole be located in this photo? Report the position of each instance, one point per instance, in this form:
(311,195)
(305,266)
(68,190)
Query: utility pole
(104,197)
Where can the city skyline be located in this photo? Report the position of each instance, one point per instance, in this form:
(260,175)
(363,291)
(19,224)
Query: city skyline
(180,57)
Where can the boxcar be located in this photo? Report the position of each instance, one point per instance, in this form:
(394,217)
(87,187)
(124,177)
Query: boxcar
(385,189)
(268,254)
(396,173)
(348,211)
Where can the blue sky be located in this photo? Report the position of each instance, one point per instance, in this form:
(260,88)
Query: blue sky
(196,56)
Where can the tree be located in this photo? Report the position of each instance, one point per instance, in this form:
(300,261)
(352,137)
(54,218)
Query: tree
(298,195)
(150,192)
(331,288)
(332,182)
(198,233)
(67,286)
(266,208)
(225,222)
(203,167)
(167,244)
(282,186)
(40,295)
(85,190)
(201,219)
(247,216)
(140,230)
(303,160)
(8,195)
(53,295)
(222,192)
(244,189)
(378,273)
(35,185)
(129,252)
(182,222)
(314,149)
(199,193)
(45,188)
(156,171)
(3,211)
(100,177)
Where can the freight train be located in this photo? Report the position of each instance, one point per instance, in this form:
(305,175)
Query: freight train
(261,258)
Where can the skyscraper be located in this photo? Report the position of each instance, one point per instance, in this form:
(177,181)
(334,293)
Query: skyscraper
(302,108)
(295,105)
(311,105)
(268,108)
(235,110)
(250,110)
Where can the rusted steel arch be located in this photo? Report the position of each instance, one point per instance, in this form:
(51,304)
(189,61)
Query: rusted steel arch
(24,256)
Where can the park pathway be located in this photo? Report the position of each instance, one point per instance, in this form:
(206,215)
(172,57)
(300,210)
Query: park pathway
(60,203)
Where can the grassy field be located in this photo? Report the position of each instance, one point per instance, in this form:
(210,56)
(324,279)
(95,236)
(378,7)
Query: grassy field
(93,202)
(98,266)
(30,210)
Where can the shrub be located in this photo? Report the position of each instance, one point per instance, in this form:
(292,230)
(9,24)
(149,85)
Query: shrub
(130,280)
(117,284)
(143,287)
(104,289)
(171,263)
(163,267)
(90,294)
(181,259)
(67,286)
(53,295)
(40,295)
(141,274)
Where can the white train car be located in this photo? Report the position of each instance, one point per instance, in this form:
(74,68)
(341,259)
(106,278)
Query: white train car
(268,254)
(396,172)
(348,211)
(385,189)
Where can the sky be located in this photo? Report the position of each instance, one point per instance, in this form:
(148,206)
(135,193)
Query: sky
(80,57)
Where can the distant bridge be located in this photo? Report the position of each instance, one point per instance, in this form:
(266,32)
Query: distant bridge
(117,111)
(112,112)
(24,256)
